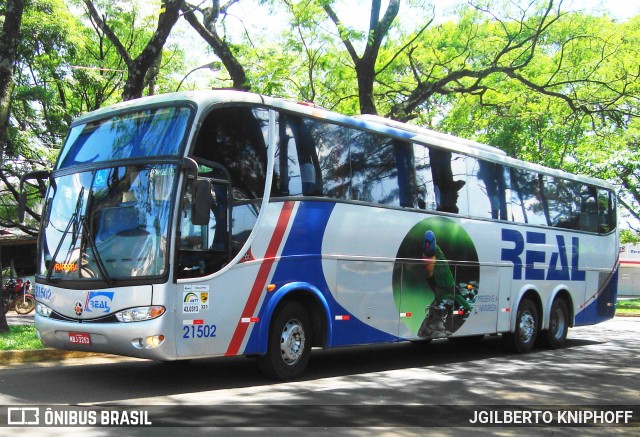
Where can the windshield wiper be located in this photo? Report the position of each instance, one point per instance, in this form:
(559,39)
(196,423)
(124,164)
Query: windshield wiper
(78,221)
(73,221)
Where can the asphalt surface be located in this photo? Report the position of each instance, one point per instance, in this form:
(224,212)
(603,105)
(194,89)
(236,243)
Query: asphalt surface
(14,318)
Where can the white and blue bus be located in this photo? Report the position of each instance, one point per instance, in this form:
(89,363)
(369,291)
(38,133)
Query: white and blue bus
(223,223)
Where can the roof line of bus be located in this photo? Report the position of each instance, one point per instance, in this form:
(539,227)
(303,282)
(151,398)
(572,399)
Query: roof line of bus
(372,123)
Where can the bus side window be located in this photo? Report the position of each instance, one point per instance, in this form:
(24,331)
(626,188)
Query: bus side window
(589,208)
(527,198)
(487,189)
(606,211)
(406,168)
(424,188)
(449,179)
(374,174)
(236,138)
(563,202)
(297,169)
(332,147)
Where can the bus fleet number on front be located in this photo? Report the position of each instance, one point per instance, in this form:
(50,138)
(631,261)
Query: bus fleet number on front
(199,331)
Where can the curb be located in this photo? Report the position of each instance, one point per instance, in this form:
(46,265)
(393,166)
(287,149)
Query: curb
(43,355)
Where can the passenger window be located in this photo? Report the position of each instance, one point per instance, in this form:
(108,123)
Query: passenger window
(563,203)
(374,176)
(237,138)
(589,208)
(528,204)
(332,145)
(606,211)
(487,189)
(297,169)
(425,190)
(449,179)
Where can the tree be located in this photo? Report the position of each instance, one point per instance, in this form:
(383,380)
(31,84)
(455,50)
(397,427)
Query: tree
(207,29)
(142,68)
(41,107)
(591,129)
(365,64)
(9,38)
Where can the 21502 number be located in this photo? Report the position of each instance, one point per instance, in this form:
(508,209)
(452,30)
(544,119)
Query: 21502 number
(199,331)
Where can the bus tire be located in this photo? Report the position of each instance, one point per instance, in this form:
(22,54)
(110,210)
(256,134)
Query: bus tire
(524,336)
(556,336)
(289,343)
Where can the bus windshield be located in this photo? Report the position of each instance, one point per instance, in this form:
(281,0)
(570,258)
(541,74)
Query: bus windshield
(114,228)
(151,132)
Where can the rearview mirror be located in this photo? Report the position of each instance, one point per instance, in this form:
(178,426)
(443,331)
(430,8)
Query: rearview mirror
(41,175)
(203,201)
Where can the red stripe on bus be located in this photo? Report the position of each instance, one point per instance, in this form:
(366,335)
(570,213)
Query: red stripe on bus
(261,278)
(629,262)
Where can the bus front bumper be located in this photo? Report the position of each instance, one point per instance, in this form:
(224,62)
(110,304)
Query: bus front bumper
(149,339)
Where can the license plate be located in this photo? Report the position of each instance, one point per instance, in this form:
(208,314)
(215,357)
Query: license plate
(79,338)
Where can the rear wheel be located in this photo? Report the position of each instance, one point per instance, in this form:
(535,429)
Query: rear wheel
(25,305)
(289,343)
(556,336)
(524,336)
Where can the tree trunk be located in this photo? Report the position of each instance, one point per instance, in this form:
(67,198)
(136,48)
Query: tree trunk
(4,326)
(141,69)
(9,38)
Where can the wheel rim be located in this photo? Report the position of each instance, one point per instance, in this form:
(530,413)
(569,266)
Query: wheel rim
(527,327)
(558,324)
(24,305)
(292,342)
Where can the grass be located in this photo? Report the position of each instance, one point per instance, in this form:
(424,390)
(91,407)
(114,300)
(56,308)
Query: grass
(20,337)
(628,307)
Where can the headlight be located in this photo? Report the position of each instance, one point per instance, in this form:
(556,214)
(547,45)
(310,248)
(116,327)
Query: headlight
(140,313)
(43,310)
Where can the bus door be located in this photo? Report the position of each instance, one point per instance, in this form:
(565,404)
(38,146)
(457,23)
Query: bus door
(204,248)
(458,301)
(476,305)
(205,221)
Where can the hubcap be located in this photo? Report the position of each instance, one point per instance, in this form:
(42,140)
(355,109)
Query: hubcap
(527,327)
(292,342)
(558,323)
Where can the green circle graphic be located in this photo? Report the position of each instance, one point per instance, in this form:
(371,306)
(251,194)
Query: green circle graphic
(411,291)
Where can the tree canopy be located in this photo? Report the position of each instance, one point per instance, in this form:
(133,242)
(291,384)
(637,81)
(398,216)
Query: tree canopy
(544,82)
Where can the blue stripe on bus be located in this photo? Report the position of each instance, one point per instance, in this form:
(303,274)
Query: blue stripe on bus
(301,261)
(603,306)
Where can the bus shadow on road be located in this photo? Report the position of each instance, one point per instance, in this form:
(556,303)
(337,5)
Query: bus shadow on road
(110,382)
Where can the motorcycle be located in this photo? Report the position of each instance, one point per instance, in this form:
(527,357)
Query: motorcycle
(17,297)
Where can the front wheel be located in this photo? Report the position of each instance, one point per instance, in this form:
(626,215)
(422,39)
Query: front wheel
(25,305)
(524,336)
(556,336)
(289,343)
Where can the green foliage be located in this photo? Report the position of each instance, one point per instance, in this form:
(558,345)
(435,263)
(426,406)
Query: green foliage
(20,337)
(628,236)
(628,307)
(546,85)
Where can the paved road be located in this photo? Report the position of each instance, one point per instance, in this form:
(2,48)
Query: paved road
(14,318)
(599,366)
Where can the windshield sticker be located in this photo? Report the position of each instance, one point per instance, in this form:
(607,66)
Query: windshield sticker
(99,301)
(65,267)
(194,302)
(101,178)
